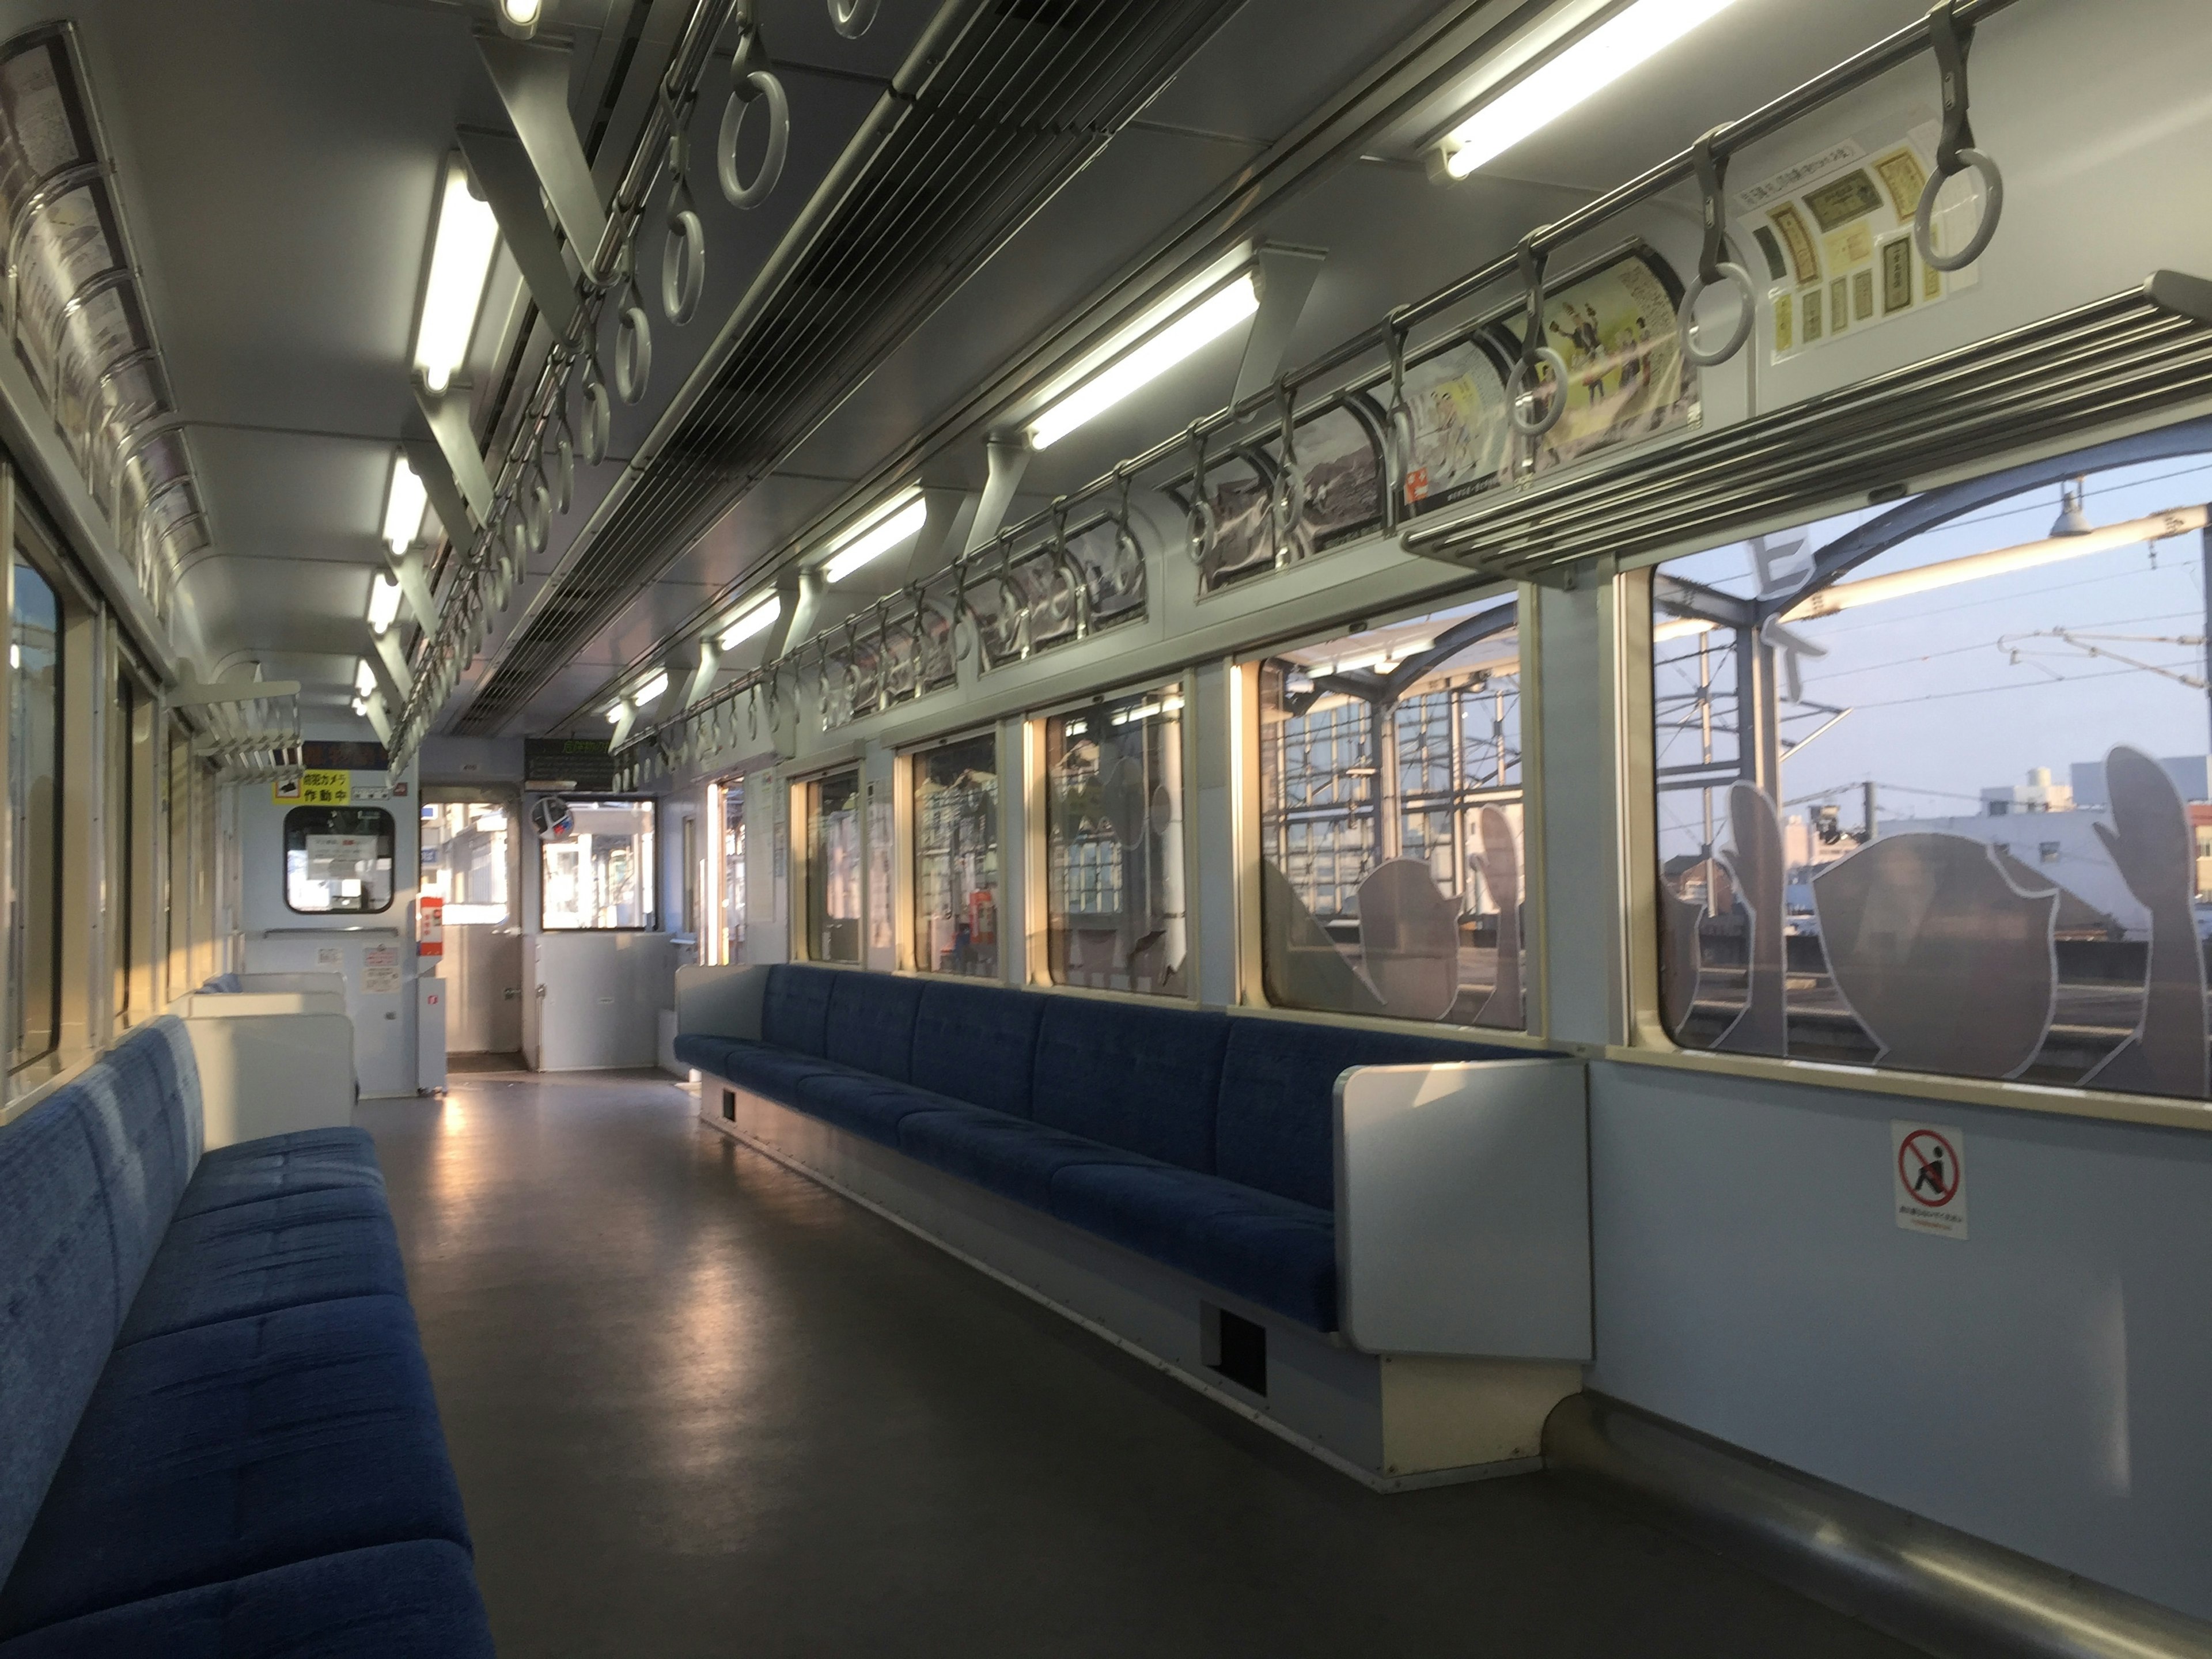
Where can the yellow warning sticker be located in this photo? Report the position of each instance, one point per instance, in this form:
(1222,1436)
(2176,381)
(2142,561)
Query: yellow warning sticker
(315,789)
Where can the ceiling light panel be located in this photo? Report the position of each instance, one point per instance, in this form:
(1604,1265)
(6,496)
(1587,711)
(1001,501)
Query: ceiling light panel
(1163,345)
(464,239)
(404,500)
(757,620)
(897,521)
(383,603)
(1571,77)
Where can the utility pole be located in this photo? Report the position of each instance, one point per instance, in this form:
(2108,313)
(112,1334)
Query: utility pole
(1869,787)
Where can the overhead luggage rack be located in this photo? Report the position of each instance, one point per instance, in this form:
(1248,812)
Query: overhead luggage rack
(2138,353)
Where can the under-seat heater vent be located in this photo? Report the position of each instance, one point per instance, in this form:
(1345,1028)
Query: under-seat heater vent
(729,1104)
(1234,1347)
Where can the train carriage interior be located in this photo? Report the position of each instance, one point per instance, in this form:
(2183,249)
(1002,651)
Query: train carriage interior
(1097,827)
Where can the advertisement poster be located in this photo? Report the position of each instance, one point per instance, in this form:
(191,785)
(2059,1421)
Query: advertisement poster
(1832,235)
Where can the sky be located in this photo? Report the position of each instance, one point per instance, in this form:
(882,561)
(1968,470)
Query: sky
(1961,688)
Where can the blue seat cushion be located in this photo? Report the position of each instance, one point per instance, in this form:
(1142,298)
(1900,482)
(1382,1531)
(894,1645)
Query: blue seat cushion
(58,1300)
(232,1449)
(977,1043)
(304,1161)
(871,1024)
(871,1106)
(1276,1126)
(795,1007)
(248,1258)
(775,1074)
(140,1142)
(1013,1156)
(1270,1250)
(1143,1079)
(414,1600)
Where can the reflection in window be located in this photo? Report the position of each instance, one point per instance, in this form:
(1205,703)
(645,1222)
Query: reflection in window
(466,855)
(1114,828)
(1933,786)
(34,731)
(597,872)
(955,858)
(833,867)
(1390,827)
(338,860)
(734,870)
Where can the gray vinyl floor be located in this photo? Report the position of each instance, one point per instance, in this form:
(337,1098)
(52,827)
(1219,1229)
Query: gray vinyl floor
(700,1406)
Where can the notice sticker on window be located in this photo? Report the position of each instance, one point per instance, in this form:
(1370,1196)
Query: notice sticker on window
(1928,1167)
(379,970)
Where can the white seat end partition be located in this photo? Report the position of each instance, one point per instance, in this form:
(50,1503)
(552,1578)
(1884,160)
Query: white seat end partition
(270,1073)
(1463,1209)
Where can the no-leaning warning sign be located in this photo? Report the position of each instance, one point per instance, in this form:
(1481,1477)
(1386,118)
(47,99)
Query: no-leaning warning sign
(1928,1178)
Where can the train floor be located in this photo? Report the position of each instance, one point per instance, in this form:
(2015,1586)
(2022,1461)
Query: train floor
(701,1405)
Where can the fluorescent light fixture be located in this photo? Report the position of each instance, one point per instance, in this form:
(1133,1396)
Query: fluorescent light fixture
(761,616)
(364,680)
(652,690)
(898,519)
(1569,78)
(404,499)
(383,603)
(615,712)
(1162,345)
(460,259)
(520,18)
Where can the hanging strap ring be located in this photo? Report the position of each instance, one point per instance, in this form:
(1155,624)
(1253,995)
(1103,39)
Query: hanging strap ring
(1288,499)
(851,18)
(633,345)
(684,257)
(1520,388)
(1713,267)
(1955,150)
(751,82)
(563,449)
(598,412)
(1398,417)
(1205,525)
(1128,556)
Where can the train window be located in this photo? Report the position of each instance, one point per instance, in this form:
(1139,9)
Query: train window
(467,853)
(956,857)
(122,717)
(34,798)
(833,867)
(1932,780)
(1114,827)
(1390,821)
(338,860)
(598,874)
(725,938)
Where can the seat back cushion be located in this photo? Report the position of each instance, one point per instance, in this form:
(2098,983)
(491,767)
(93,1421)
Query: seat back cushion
(1144,1080)
(795,1009)
(870,1025)
(61,1304)
(977,1043)
(141,1143)
(1276,1129)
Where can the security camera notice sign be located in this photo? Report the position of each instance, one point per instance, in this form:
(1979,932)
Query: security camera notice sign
(1927,1175)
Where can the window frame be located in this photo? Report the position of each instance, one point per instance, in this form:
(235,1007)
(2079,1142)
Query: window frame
(284,838)
(26,543)
(800,862)
(651,887)
(906,848)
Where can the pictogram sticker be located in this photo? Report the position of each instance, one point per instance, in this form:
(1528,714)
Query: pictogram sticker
(1928,1177)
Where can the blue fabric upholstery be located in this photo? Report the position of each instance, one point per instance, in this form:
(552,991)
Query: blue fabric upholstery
(229,982)
(977,1043)
(869,1106)
(1013,1156)
(304,1161)
(795,1007)
(1144,1080)
(232,1449)
(1276,1127)
(870,1025)
(248,1258)
(416,1601)
(61,1306)
(137,1143)
(765,1070)
(1277,1253)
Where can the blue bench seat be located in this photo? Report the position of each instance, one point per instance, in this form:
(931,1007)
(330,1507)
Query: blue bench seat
(223,1440)
(1200,1140)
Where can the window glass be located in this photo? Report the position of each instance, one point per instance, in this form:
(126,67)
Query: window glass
(955,858)
(1390,821)
(467,854)
(1113,829)
(35,666)
(833,867)
(691,870)
(1933,787)
(338,860)
(597,860)
(734,870)
(120,811)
